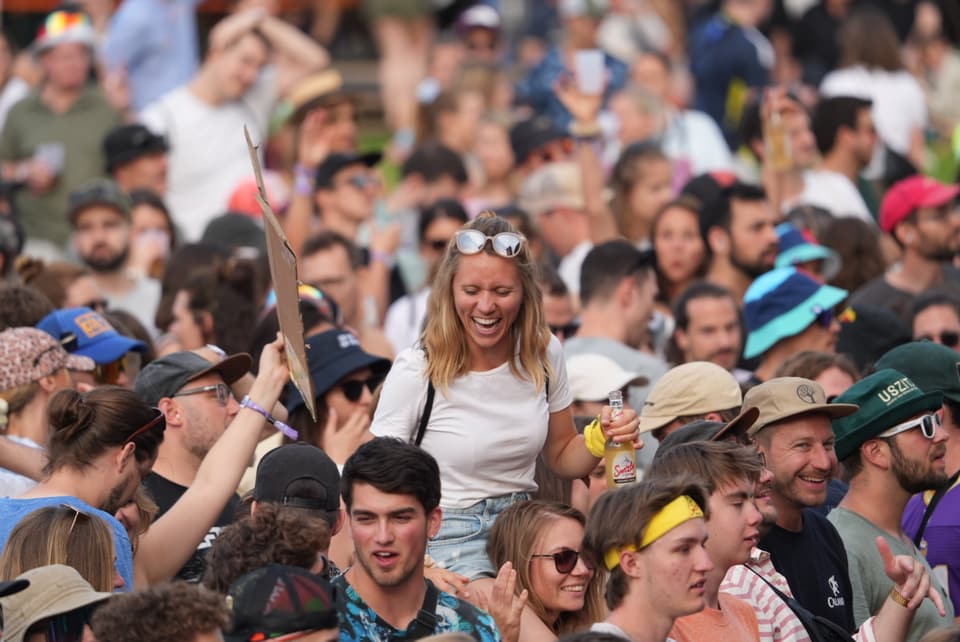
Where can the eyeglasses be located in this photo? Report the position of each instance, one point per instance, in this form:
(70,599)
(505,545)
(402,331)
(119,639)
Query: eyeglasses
(567,330)
(110,372)
(68,627)
(360,181)
(353,389)
(437,245)
(947,338)
(506,244)
(223,392)
(97,305)
(927,424)
(824,317)
(565,560)
(158,420)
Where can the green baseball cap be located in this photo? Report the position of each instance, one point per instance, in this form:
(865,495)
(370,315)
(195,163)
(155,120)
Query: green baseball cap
(933,367)
(886,398)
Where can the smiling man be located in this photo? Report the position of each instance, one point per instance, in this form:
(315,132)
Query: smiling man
(891,448)
(392,493)
(793,433)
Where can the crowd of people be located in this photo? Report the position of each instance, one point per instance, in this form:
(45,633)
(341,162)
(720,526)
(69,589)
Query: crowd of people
(741,217)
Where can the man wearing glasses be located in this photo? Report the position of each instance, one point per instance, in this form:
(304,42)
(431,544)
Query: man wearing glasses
(891,448)
(195,396)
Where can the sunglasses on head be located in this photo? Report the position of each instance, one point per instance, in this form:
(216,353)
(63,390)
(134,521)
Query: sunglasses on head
(353,389)
(927,424)
(506,244)
(565,559)
(947,338)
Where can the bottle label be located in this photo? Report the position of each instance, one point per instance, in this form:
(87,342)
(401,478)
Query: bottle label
(624,468)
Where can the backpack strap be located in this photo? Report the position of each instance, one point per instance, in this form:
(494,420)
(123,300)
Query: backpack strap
(425,623)
(425,414)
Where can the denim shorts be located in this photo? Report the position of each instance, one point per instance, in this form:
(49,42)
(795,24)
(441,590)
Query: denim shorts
(461,543)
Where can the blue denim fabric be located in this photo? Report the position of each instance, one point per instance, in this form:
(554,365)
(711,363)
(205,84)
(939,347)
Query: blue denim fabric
(461,544)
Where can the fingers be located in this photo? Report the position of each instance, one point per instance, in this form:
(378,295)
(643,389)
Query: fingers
(937,599)
(890,565)
(921,591)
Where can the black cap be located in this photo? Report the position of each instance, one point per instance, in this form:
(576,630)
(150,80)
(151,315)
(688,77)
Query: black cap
(530,135)
(317,474)
(129,142)
(234,230)
(700,430)
(277,600)
(100,191)
(165,376)
(333,163)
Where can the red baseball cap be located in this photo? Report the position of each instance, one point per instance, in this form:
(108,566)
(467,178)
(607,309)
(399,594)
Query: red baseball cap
(911,193)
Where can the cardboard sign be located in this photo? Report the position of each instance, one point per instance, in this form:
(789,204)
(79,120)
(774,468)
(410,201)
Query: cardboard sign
(283,272)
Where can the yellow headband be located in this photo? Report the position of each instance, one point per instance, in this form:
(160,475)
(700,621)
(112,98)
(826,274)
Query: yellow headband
(680,510)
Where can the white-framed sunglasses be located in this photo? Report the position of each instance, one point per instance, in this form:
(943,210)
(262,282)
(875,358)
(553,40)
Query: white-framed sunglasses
(927,424)
(506,244)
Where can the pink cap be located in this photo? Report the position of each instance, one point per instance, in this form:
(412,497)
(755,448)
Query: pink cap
(911,193)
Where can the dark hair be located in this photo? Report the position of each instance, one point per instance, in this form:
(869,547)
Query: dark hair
(711,463)
(831,114)
(444,208)
(607,264)
(858,245)
(720,214)
(395,467)
(697,290)
(692,205)
(810,364)
(520,219)
(83,426)
(272,535)
(433,161)
(130,326)
(751,121)
(185,261)
(52,278)
(868,37)
(326,240)
(169,611)
(934,298)
(311,313)
(229,296)
(550,282)
(152,199)
(591,636)
(22,306)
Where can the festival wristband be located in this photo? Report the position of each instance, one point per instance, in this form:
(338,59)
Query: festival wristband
(594,438)
(677,512)
(898,597)
(247,402)
(302,181)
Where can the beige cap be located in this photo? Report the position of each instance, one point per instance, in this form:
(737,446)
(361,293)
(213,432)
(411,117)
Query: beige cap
(53,590)
(314,90)
(553,186)
(786,397)
(694,388)
(591,377)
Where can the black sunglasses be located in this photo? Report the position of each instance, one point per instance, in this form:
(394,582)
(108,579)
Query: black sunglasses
(565,560)
(566,330)
(947,338)
(353,389)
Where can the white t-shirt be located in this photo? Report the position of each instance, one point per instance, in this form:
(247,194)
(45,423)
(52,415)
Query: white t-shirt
(613,629)
(569,267)
(485,432)
(208,152)
(404,319)
(693,136)
(835,193)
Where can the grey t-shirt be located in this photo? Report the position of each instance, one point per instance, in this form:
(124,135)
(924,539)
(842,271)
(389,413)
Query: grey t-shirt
(871,586)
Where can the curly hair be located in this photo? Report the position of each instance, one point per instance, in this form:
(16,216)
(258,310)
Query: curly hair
(272,535)
(170,611)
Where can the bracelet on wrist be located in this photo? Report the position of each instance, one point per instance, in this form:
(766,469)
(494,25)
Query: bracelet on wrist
(249,403)
(302,180)
(898,597)
(385,258)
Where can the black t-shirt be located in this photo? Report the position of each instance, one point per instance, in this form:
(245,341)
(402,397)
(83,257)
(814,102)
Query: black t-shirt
(814,562)
(166,493)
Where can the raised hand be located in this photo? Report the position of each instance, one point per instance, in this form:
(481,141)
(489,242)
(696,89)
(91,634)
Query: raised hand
(910,578)
(504,604)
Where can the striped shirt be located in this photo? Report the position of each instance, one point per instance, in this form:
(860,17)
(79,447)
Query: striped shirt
(776,620)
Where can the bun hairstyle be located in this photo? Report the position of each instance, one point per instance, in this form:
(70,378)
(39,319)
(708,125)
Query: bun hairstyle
(84,426)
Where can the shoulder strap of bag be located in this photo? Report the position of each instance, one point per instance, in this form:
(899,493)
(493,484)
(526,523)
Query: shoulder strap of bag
(814,624)
(425,414)
(928,513)
(425,623)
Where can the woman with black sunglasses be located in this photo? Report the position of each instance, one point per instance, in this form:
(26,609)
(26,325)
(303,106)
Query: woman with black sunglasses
(485,392)
(541,541)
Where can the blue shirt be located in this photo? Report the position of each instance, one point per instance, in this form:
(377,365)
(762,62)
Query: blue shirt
(536,90)
(156,42)
(359,622)
(13,510)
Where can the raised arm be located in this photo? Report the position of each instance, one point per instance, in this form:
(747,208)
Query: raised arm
(21,459)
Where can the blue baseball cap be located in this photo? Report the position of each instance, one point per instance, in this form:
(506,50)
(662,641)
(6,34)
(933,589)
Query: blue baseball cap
(84,332)
(798,246)
(331,356)
(783,303)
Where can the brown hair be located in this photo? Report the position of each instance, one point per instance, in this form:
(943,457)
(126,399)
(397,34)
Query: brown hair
(620,517)
(810,364)
(84,426)
(858,244)
(52,279)
(627,172)
(514,537)
(868,38)
(691,205)
(712,463)
(272,535)
(22,306)
(170,611)
(61,535)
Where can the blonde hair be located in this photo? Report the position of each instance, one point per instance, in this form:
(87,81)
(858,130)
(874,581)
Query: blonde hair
(514,538)
(444,337)
(61,535)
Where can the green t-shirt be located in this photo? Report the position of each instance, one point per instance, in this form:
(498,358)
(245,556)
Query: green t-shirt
(80,131)
(871,586)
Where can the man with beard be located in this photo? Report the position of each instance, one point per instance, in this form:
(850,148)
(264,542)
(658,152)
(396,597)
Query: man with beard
(788,312)
(739,227)
(707,327)
(921,216)
(891,448)
(99,214)
(793,434)
(392,493)
(195,397)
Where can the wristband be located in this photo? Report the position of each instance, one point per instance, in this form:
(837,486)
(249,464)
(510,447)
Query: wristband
(898,597)
(217,350)
(247,402)
(383,257)
(302,181)
(594,438)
